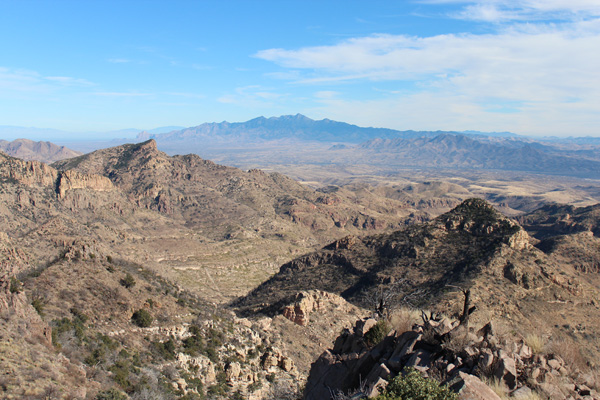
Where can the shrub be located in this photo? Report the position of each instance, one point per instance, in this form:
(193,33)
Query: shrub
(166,350)
(377,332)
(142,318)
(15,285)
(111,394)
(128,281)
(39,304)
(413,386)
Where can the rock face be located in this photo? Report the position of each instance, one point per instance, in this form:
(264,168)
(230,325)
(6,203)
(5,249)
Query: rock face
(35,173)
(70,180)
(307,302)
(30,173)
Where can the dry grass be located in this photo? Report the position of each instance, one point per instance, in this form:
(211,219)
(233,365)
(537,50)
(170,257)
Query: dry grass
(502,391)
(403,319)
(535,342)
(532,396)
(497,386)
(569,352)
(591,377)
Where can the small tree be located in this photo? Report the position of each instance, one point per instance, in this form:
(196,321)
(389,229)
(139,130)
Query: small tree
(377,332)
(142,318)
(128,281)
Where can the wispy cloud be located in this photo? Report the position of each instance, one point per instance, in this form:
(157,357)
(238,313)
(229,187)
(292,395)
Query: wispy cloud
(69,81)
(118,60)
(252,96)
(22,81)
(499,11)
(121,94)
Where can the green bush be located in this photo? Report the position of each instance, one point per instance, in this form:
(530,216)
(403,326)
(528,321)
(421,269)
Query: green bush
(142,318)
(414,387)
(377,332)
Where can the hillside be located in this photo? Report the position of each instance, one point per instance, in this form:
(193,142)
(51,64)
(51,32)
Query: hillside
(423,266)
(39,151)
(217,229)
(555,219)
(131,228)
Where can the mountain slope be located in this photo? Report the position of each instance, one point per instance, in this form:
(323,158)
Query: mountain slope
(40,151)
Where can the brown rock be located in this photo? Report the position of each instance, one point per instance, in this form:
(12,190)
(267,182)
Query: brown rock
(470,387)
(554,364)
(232,371)
(377,388)
(286,364)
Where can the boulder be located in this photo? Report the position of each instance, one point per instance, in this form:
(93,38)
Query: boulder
(506,371)
(470,387)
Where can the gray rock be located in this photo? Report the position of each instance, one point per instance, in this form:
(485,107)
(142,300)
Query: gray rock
(404,345)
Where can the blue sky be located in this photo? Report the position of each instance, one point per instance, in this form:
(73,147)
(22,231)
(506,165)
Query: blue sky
(527,66)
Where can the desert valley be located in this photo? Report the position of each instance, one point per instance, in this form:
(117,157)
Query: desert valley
(131,273)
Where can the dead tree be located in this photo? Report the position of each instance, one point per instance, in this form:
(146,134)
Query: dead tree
(463,322)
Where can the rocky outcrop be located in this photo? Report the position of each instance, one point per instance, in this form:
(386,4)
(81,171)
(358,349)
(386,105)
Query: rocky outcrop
(70,180)
(307,302)
(30,173)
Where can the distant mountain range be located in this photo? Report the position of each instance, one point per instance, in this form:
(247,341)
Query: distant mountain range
(460,151)
(39,151)
(298,140)
(293,127)
(19,132)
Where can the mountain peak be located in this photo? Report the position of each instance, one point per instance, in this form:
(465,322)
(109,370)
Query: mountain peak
(479,218)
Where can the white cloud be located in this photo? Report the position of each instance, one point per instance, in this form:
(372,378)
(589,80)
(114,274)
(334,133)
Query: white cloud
(531,10)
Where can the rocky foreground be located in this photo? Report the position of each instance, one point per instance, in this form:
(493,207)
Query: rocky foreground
(469,361)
